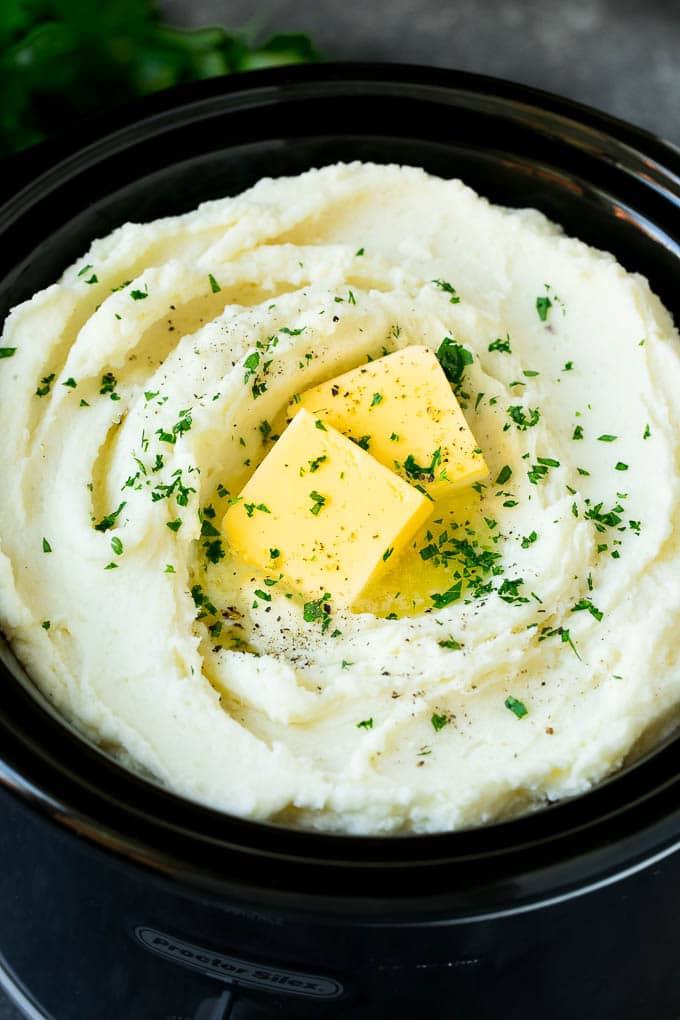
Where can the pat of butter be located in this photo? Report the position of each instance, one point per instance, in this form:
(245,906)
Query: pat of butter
(402,410)
(323,513)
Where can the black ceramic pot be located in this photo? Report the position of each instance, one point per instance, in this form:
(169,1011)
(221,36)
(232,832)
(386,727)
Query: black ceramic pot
(120,900)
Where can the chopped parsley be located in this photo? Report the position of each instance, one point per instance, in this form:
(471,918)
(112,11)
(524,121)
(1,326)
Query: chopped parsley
(529,540)
(46,547)
(502,346)
(620,466)
(603,519)
(451,644)
(7,352)
(183,424)
(265,429)
(174,525)
(377,398)
(586,604)
(250,508)
(578,432)
(509,592)
(214,551)
(139,295)
(517,707)
(423,474)
(117,545)
(647,433)
(318,609)
(108,385)
(540,470)
(358,253)
(110,519)
(274,554)
(319,502)
(46,625)
(504,475)
(388,552)
(448,289)
(364,442)
(543,306)
(45,385)
(365,724)
(521,419)
(607,438)
(438,722)
(214,285)
(70,382)
(320,425)
(452,594)
(315,464)
(453,358)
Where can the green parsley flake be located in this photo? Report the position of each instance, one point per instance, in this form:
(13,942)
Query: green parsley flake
(46,625)
(70,382)
(45,385)
(318,609)
(504,475)
(319,502)
(448,289)
(7,352)
(578,432)
(521,419)
(529,540)
(543,306)
(110,519)
(139,295)
(46,547)
(388,552)
(586,604)
(517,707)
(451,644)
(620,466)
(116,545)
(453,358)
(365,724)
(376,399)
(502,346)
(214,285)
(438,722)
(607,438)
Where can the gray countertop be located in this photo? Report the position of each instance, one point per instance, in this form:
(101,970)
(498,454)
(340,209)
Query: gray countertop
(618,55)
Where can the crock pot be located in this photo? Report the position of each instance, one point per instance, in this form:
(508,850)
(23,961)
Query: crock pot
(119,899)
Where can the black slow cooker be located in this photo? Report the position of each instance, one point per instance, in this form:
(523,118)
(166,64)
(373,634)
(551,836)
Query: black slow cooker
(121,901)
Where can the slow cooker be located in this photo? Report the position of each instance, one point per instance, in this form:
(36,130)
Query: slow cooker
(119,899)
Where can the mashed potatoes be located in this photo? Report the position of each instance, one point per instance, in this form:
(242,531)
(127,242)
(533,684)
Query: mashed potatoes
(133,409)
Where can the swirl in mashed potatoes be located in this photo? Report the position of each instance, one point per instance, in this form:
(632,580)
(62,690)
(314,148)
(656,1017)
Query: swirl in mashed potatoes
(133,411)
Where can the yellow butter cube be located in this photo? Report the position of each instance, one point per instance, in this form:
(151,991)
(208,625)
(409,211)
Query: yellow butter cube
(402,410)
(323,513)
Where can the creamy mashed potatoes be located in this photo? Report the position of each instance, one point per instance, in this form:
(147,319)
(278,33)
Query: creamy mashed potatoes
(133,408)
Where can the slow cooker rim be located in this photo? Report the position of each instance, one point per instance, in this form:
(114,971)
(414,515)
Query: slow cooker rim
(346,74)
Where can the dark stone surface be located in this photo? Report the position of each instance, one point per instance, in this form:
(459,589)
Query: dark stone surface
(618,55)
